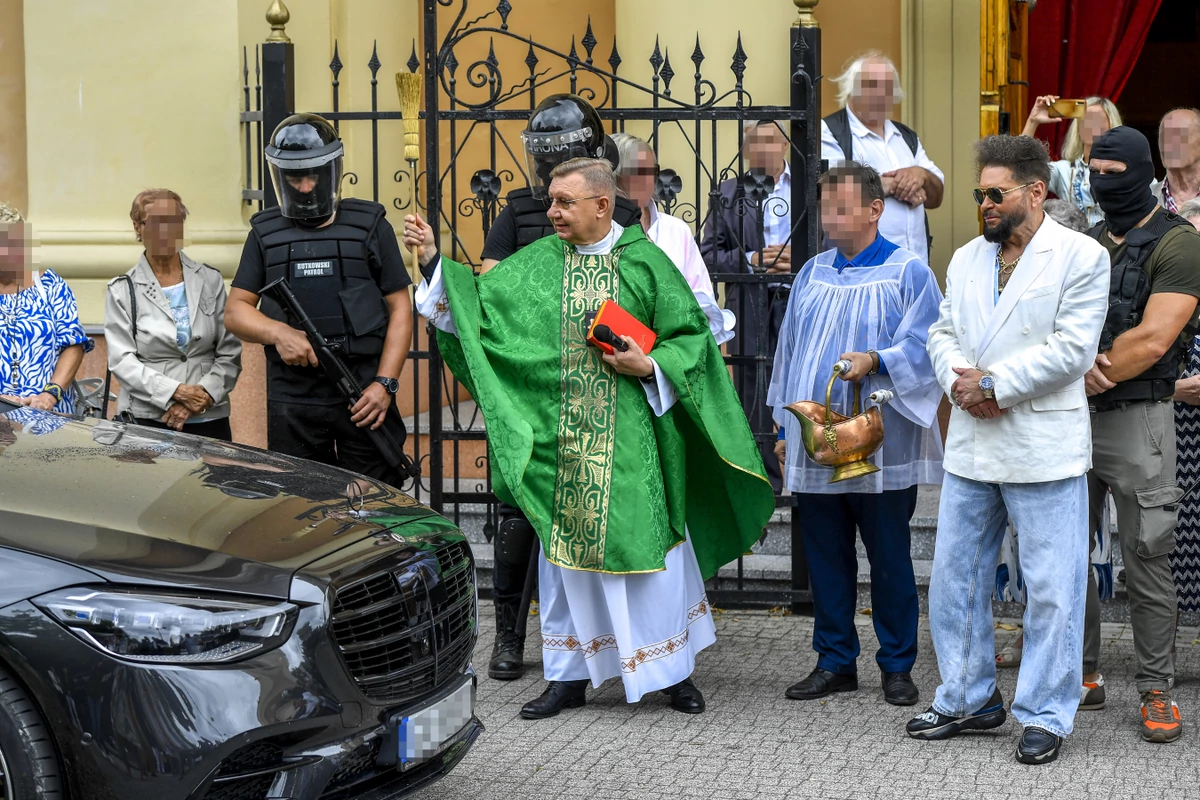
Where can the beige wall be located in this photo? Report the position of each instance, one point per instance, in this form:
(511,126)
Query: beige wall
(14,187)
(943,87)
(158,108)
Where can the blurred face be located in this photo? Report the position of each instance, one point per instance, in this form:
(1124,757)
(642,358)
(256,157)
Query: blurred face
(578,216)
(162,230)
(302,183)
(1179,140)
(845,215)
(1001,219)
(1195,220)
(876,91)
(638,182)
(765,148)
(1094,123)
(14,251)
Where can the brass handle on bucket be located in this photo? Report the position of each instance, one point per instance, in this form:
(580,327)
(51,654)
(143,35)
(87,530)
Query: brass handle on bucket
(838,369)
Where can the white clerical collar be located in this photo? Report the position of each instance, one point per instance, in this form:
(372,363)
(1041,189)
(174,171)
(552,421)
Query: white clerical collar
(605,245)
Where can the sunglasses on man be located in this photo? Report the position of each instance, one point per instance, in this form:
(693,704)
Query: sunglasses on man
(994,194)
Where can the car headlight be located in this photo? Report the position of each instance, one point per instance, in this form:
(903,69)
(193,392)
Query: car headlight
(168,628)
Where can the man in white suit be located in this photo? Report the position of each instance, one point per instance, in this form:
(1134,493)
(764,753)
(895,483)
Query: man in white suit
(1018,330)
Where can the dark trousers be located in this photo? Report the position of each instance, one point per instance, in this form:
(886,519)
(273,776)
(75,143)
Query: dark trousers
(326,435)
(215,429)
(760,311)
(508,582)
(827,526)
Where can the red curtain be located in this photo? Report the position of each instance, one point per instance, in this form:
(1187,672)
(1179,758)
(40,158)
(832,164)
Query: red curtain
(1079,48)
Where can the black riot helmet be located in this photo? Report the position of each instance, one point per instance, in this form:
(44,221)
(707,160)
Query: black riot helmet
(562,127)
(305,160)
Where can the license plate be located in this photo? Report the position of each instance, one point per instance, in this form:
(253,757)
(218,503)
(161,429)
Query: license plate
(424,734)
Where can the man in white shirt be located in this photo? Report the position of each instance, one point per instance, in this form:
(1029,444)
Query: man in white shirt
(861,131)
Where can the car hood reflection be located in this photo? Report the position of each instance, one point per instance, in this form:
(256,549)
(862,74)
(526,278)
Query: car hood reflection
(156,505)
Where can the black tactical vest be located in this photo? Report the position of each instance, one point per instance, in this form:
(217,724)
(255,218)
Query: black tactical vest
(328,271)
(529,214)
(1129,291)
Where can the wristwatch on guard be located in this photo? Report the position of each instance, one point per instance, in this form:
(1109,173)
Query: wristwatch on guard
(391,384)
(987,385)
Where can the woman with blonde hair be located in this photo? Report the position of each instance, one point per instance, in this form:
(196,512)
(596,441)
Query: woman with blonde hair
(164,323)
(1070,179)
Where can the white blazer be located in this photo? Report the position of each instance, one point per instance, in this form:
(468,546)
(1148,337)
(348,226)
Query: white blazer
(1038,340)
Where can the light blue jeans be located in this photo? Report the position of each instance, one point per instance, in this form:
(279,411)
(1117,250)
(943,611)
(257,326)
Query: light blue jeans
(1052,520)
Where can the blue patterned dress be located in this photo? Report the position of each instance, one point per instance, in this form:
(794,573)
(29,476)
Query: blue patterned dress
(36,325)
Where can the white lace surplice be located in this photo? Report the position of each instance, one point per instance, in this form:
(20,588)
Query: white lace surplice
(886,308)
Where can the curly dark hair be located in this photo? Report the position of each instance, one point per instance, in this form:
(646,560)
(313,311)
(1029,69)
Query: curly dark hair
(1025,156)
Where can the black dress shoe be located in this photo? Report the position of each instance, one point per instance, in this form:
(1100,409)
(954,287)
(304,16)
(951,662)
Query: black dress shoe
(1038,746)
(558,695)
(933,725)
(820,683)
(899,689)
(685,697)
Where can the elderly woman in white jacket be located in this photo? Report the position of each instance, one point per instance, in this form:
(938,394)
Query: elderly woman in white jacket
(164,324)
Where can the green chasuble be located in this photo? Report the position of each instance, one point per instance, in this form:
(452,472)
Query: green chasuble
(607,485)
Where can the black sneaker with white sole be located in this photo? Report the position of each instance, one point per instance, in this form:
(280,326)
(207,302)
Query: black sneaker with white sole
(932,725)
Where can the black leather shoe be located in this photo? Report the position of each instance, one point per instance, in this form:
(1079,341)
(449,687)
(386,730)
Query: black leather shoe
(685,697)
(1038,746)
(899,689)
(558,695)
(820,683)
(508,651)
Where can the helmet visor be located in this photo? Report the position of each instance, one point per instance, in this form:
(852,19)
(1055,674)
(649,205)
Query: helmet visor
(545,151)
(307,192)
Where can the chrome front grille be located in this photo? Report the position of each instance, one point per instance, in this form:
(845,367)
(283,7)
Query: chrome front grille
(406,630)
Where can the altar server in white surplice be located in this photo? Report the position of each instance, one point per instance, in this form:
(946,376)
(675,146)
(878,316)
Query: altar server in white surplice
(871,303)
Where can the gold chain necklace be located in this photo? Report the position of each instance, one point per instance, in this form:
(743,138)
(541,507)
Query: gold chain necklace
(1004,269)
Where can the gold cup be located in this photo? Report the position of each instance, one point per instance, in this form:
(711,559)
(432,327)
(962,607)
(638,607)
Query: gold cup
(834,440)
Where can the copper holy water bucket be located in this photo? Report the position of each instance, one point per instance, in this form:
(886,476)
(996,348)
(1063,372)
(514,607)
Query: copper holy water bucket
(834,440)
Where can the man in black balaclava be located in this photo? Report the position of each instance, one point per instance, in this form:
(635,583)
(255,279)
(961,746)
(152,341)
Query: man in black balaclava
(1143,348)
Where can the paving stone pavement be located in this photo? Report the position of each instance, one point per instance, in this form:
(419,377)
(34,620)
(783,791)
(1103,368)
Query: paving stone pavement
(753,743)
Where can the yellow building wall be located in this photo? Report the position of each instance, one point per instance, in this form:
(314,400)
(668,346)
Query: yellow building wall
(14,187)
(130,94)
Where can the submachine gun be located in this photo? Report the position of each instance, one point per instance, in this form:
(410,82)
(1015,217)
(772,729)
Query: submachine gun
(389,437)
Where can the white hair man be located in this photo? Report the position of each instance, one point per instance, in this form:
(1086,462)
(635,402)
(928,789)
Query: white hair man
(1179,147)
(860,131)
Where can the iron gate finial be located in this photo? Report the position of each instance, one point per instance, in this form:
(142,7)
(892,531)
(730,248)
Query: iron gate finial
(805,9)
(278,16)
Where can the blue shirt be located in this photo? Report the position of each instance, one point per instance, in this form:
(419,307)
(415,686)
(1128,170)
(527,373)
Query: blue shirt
(875,254)
(177,297)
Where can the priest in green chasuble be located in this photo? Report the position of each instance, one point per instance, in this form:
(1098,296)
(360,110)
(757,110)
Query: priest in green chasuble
(638,472)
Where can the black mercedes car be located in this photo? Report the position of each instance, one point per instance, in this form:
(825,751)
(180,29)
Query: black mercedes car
(184,619)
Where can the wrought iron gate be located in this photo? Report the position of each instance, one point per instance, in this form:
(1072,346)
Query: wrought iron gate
(473,109)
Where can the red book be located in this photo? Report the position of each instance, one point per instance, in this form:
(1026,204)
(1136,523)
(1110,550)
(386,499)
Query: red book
(622,323)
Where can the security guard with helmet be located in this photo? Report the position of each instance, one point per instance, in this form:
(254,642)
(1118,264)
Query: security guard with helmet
(343,263)
(562,127)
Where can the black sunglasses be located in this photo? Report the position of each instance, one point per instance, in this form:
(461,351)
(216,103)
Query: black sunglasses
(994,194)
